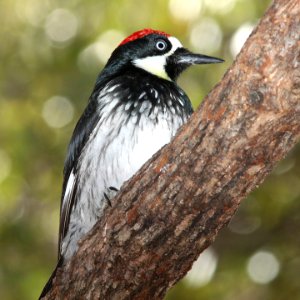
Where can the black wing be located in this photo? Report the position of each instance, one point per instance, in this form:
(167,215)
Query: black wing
(82,131)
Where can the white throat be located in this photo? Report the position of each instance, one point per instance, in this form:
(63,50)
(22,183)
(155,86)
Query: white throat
(156,65)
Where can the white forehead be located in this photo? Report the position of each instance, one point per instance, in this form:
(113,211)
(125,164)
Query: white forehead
(175,44)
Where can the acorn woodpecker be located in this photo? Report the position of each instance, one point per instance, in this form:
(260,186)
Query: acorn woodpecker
(135,108)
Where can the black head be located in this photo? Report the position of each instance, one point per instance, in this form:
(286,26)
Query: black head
(155,52)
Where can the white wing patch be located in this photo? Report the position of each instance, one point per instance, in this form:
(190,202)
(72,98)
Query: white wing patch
(70,186)
(66,205)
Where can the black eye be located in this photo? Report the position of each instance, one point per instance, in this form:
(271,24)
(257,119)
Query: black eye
(161,45)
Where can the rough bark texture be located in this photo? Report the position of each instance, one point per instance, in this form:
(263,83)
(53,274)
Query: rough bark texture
(176,204)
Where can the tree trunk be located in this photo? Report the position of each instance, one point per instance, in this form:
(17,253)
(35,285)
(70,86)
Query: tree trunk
(172,209)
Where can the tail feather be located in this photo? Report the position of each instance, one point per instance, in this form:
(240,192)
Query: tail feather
(48,285)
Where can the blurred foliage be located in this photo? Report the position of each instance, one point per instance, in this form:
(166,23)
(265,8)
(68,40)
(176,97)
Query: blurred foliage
(56,48)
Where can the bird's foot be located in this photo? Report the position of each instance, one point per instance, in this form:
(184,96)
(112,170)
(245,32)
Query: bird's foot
(110,193)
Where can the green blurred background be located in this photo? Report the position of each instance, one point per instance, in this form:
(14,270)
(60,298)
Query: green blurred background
(51,52)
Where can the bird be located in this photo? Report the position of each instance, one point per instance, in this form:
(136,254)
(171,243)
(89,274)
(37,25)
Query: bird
(135,108)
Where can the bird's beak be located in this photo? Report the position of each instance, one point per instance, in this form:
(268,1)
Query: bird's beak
(186,57)
(182,58)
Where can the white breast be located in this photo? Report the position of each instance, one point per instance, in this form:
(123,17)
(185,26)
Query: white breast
(115,152)
(116,149)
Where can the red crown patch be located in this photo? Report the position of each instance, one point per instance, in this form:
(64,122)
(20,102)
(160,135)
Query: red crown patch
(141,33)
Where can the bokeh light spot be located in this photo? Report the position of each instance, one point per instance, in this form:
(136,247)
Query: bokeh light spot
(203,269)
(58,111)
(220,6)
(206,36)
(239,38)
(33,13)
(99,52)
(61,25)
(244,224)
(185,10)
(263,267)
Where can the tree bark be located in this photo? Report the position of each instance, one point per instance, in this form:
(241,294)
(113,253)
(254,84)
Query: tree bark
(172,209)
